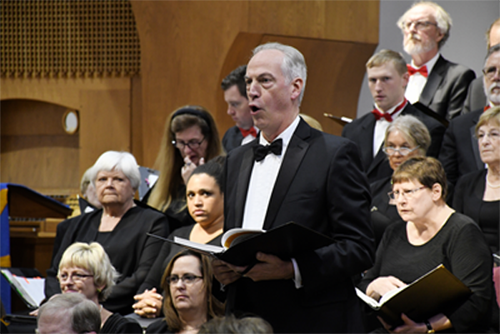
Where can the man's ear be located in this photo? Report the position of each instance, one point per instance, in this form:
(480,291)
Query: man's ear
(296,88)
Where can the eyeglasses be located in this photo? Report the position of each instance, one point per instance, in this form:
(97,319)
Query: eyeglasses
(192,144)
(404,151)
(489,72)
(419,25)
(394,195)
(186,279)
(492,135)
(75,277)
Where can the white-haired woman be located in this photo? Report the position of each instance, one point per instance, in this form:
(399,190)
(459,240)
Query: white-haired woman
(121,227)
(406,137)
(86,269)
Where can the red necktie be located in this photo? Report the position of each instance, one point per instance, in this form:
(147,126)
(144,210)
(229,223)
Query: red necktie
(422,70)
(486,108)
(250,131)
(378,115)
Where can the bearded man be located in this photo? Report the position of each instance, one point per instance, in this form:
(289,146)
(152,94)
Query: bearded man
(434,81)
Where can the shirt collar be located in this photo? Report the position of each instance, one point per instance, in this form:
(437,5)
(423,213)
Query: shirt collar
(430,64)
(286,135)
(392,109)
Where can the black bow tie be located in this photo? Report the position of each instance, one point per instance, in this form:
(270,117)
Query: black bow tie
(260,151)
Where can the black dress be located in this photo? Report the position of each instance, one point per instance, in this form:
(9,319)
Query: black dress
(468,199)
(158,327)
(131,251)
(118,324)
(461,248)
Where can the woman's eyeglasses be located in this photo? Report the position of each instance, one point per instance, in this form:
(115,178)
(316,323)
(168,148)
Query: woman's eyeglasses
(394,195)
(75,277)
(404,151)
(186,279)
(192,144)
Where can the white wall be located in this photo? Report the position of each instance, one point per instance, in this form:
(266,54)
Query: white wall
(466,45)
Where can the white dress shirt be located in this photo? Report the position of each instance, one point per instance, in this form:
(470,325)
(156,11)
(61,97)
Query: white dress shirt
(261,186)
(417,81)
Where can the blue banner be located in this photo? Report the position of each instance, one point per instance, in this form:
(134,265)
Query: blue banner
(4,245)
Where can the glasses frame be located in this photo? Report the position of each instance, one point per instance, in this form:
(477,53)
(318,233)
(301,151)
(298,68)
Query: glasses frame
(80,277)
(188,144)
(488,74)
(406,193)
(399,150)
(186,279)
(419,25)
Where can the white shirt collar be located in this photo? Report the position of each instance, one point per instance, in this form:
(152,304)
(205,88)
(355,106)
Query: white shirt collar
(286,135)
(430,64)
(391,110)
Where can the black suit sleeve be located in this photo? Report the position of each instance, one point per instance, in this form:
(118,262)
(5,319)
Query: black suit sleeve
(459,92)
(437,134)
(459,194)
(448,154)
(348,207)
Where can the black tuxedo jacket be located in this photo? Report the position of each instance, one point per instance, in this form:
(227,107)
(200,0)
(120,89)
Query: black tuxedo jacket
(361,132)
(382,213)
(446,88)
(476,98)
(232,138)
(320,185)
(460,151)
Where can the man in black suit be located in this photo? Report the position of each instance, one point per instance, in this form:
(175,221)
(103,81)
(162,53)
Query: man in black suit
(460,152)
(475,97)
(434,81)
(235,96)
(309,177)
(387,79)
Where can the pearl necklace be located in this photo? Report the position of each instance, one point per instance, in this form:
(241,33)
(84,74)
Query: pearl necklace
(490,184)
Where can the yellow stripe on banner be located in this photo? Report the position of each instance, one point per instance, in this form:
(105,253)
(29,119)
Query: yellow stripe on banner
(5,261)
(3,199)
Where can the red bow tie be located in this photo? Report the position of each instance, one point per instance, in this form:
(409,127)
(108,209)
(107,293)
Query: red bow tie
(486,108)
(378,115)
(412,70)
(250,131)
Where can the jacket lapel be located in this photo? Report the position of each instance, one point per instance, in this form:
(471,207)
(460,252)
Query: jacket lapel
(475,147)
(243,181)
(366,146)
(296,151)
(379,158)
(433,82)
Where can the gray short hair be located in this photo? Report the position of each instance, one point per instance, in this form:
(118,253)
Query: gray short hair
(294,63)
(414,131)
(84,315)
(122,161)
(443,19)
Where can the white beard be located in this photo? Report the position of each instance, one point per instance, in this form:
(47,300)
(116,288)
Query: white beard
(493,97)
(414,45)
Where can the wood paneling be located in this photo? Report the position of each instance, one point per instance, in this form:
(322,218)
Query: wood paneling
(106,124)
(187,47)
(42,156)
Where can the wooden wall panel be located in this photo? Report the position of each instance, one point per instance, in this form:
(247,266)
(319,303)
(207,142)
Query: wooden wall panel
(105,125)
(353,21)
(105,109)
(187,47)
(35,150)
